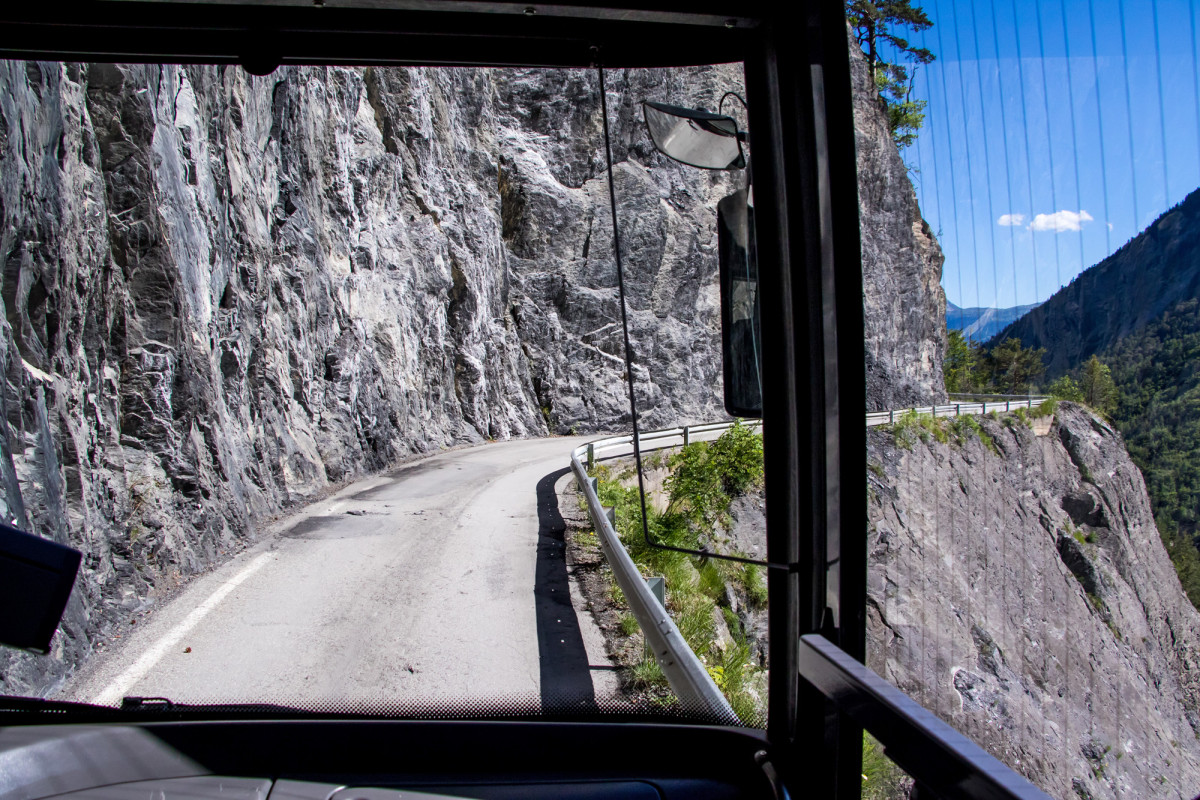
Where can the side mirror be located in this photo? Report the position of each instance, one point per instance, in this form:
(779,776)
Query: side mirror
(712,141)
(741,330)
(696,138)
(36,576)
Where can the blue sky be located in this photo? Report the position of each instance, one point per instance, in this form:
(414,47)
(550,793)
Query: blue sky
(1055,132)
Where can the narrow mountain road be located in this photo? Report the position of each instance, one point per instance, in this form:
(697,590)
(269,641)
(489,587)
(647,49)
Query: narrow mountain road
(442,581)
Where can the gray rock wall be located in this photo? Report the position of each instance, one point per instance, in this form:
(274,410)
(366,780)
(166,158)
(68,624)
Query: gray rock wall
(1025,597)
(904,307)
(225,294)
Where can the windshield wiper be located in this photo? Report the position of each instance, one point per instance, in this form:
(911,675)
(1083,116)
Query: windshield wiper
(166,705)
(133,705)
(12,702)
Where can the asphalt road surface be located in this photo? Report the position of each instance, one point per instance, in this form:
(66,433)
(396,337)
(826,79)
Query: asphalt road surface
(442,581)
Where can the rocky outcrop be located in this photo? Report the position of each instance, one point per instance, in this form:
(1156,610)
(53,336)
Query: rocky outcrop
(1018,588)
(904,307)
(1149,275)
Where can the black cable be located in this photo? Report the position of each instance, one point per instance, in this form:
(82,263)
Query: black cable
(637,447)
(612,202)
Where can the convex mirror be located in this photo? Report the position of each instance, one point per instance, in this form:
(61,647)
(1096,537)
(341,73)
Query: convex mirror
(696,138)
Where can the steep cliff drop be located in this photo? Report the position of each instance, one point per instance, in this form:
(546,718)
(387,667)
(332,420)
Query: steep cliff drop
(1019,589)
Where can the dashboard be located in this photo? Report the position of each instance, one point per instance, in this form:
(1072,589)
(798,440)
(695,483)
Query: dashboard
(380,760)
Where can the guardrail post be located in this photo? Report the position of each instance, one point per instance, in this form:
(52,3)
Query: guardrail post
(1008,405)
(591,462)
(891,416)
(687,437)
(611,513)
(958,409)
(984,407)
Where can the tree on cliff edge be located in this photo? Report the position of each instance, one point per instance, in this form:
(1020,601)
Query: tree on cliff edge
(875,24)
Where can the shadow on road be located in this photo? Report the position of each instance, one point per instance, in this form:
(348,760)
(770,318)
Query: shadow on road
(566,679)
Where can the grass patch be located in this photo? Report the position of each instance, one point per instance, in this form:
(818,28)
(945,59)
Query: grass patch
(1080,536)
(712,583)
(1046,408)
(755,585)
(912,426)
(647,673)
(734,623)
(962,428)
(736,671)
(629,624)
(881,778)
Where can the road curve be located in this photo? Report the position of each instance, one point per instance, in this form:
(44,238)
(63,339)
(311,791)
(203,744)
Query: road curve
(441,581)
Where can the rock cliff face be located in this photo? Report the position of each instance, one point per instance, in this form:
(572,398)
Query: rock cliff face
(904,307)
(225,293)
(1023,595)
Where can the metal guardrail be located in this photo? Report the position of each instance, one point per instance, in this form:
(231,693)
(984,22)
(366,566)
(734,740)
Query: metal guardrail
(688,677)
(957,409)
(944,762)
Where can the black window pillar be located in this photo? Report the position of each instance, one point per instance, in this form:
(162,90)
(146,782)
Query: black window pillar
(802,147)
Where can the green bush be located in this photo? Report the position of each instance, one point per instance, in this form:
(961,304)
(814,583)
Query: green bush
(737,456)
(1047,408)
(1065,388)
(706,476)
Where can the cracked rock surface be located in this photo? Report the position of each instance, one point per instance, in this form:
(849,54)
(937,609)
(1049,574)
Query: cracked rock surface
(225,294)
(1024,596)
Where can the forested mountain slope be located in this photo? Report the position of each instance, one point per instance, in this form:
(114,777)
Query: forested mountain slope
(1157,374)
(1150,274)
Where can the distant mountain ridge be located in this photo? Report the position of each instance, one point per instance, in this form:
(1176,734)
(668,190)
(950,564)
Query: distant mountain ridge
(1152,273)
(980,324)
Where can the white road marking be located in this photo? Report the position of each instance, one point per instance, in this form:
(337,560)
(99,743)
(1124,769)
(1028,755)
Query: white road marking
(140,668)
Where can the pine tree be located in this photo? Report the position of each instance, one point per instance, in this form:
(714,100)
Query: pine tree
(875,23)
(1013,369)
(1096,383)
(959,361)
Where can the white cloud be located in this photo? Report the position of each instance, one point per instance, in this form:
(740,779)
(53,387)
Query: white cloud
(1011,220)
(1060,221)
